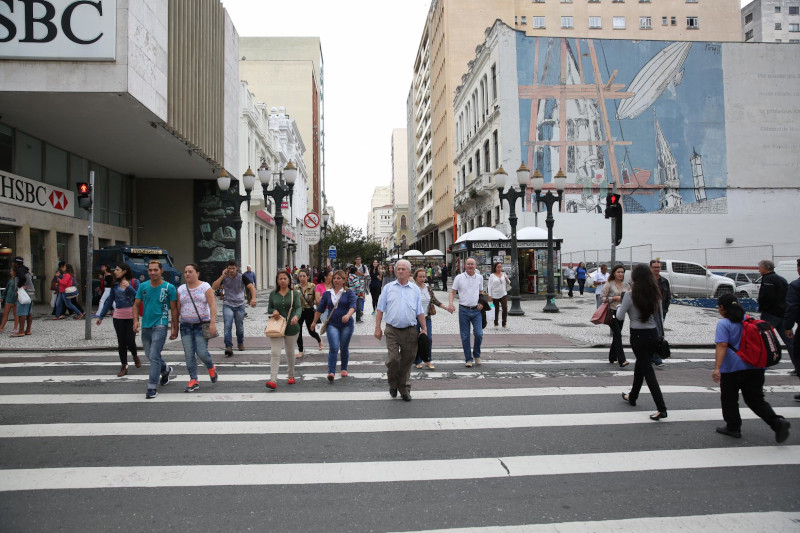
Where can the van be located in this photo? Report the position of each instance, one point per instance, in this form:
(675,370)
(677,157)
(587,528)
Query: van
(787,270)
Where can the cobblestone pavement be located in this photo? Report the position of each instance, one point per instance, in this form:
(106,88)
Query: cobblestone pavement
(686,325)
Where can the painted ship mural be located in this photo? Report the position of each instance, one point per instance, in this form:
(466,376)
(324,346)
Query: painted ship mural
(582,120)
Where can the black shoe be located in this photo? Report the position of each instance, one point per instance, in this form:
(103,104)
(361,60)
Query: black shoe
(151,393)
(725,430)
(782,430)
(658,416)
(624,364)
(393,393)
(627,398)
(797,397)
(406,397)
(229,351)
(166,376)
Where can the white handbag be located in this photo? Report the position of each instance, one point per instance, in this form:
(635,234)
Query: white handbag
(22,296)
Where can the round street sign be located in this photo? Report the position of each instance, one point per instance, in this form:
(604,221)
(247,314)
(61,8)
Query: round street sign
(312,235)
(311,220)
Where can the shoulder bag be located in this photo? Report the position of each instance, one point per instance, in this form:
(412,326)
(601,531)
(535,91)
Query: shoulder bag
(431,307)
(206,324)
(324,327)
(22,296)
(276,327)
(662,346)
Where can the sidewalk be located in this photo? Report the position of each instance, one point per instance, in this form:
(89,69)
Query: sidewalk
(686,326)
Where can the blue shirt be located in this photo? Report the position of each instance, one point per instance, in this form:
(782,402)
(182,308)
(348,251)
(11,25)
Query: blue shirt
(346,302)
(121,297)
(156,302)
(731,332)
(400,304)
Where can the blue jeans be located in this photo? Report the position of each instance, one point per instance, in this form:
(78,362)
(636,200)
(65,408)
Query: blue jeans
(229,314)
(63,301)
(339,338)
(359,308)
(418,360)
(467,317)
(598,296)
(153,340)
(194,344)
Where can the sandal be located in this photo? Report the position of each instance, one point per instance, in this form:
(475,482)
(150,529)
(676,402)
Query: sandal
(17,335)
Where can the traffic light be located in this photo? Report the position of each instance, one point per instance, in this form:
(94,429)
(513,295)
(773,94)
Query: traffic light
(613,205)
(85,195)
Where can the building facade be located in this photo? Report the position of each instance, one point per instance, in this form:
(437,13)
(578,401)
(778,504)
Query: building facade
(682,156)
(771,21)
(149,106)
(399,190)
(379,219)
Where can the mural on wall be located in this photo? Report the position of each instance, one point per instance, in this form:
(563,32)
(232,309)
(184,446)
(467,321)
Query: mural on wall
(646,116)
(215,233)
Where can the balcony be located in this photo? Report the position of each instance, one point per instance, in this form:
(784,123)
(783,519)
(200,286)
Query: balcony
(480,188)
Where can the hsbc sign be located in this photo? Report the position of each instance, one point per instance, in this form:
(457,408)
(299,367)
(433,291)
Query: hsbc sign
(58,29)
(23,192)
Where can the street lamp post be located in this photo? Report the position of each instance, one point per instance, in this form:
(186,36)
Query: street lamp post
(283,187)
(231,189)
(549,199)
(511,196)
(325,217)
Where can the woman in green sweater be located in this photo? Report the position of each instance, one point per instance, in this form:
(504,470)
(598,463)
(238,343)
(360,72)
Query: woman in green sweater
(286,303)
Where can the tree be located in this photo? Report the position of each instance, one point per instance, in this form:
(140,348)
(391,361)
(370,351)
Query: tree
(350,242)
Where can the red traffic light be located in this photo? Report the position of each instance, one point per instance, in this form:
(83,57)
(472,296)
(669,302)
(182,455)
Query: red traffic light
(83,188)
(613,199)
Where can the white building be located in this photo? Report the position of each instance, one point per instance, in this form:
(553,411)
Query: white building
(379,223)
(768,21)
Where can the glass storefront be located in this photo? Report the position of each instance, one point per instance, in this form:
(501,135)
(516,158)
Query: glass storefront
(8,249)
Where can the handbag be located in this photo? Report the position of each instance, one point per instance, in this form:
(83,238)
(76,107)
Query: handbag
(276,327)
(324,327)
(662,345)
(206,325)
(22,296)
(431,307)
(71,292)
(602,315)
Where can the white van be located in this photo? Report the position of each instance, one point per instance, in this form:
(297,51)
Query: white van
(787,270)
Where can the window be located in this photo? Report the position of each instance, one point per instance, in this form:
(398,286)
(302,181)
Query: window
(29,157)
(794,40)
(595,22)
(748,35)
(748,18)
(794,10)
(594,1)
(692,23)
(516,20)
(778,40)
(538,22)
(645,23)
(6,148)
(644,1)
(777,9)
(794,27)
(478,163)
(691,1)
(55,167)
(496,150)
(403,222)
(664,21)
(778,26)
(618,1)
(525,19)
(494,83)
(566,22)
(486,167)
(673,21)
(619,23)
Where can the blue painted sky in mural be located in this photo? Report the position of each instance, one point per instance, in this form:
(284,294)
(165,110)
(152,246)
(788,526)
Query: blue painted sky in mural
(691,114)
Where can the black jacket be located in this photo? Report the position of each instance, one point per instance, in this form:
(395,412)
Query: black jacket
(792,315)
(772,295)
(666,293)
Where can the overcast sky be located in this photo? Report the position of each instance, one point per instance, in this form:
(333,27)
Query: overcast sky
(369,48)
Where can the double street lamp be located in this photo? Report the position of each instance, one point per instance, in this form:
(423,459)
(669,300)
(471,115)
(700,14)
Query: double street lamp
(325,217)
(560,181)
(511,196)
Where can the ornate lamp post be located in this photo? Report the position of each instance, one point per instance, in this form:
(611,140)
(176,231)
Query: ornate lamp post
(549,199)
(282,187)
(511,196)
(325,217)
(231,189)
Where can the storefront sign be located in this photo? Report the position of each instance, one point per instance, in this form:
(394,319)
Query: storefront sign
(492,245)
(58,29)
(23,192)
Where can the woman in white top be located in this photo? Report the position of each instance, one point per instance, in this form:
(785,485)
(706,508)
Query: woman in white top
(197,305)
(496,287)
(429,302)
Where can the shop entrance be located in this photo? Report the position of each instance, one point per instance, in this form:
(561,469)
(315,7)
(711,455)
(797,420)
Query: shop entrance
(8,250)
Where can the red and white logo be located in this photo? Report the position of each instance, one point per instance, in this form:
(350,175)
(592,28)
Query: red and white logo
(58,200)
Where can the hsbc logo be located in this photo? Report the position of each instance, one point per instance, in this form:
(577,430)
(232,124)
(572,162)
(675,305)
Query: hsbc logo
(58,200)
(31,194)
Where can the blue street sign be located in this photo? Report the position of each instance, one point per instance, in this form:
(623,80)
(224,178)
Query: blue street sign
(332,252)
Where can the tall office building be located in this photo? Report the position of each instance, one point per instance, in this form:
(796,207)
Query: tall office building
(454,28)
(399,189)
(771,21)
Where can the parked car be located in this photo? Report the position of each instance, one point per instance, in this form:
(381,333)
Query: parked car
(695,280)
(747,283)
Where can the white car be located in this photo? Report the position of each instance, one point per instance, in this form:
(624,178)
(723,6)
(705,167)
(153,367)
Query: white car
(747,284)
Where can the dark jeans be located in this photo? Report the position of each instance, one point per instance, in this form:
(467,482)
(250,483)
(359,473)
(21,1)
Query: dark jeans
(643,343)
(306,317)
(375,291)
(751,383)
(571,284)
(497,303)
(444,283)
(777,323)
(581,283)
(126,339)
(616,353)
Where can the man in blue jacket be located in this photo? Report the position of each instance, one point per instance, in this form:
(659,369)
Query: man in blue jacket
(792,317)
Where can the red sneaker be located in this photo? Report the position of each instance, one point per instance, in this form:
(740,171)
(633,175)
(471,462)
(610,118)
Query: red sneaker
(272,385)
(291,381)
(344,373)
(212,373)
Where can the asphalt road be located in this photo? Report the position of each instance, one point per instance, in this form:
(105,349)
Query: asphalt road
(530,441)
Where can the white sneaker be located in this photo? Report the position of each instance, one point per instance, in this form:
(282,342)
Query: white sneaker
(469,364)
(478,361)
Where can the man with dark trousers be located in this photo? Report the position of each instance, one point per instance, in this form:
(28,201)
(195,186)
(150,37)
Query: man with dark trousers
(445,272)
(792,317)
(772,303)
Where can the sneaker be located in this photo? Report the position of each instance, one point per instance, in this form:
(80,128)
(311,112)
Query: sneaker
(192,386)
(229,351)
(373,312)
(469,364)
(212,372)
(782,430)
(151,393)
(344,373)
(166,376)
(241,347)
(271,385)
(478,361)
(291,381)
(330,377)
(660,365)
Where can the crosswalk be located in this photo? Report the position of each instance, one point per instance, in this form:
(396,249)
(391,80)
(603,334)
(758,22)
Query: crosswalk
(530,441)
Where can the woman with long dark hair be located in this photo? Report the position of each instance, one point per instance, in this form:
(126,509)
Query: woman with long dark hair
(308,300)
(122,296)
(612,295)
(196,305)
(66,278)
(580,275)
(375,283)
(496,287)
(284,302)
(734,375)
(642,304)
(388,276)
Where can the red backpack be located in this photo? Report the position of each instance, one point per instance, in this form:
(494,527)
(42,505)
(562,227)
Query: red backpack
(759,345)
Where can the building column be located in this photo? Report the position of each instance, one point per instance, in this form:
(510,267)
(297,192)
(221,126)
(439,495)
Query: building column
(23,238)
(50,254)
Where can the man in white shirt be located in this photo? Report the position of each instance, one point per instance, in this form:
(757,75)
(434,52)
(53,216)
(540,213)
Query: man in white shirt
(599,280)
(469,285)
